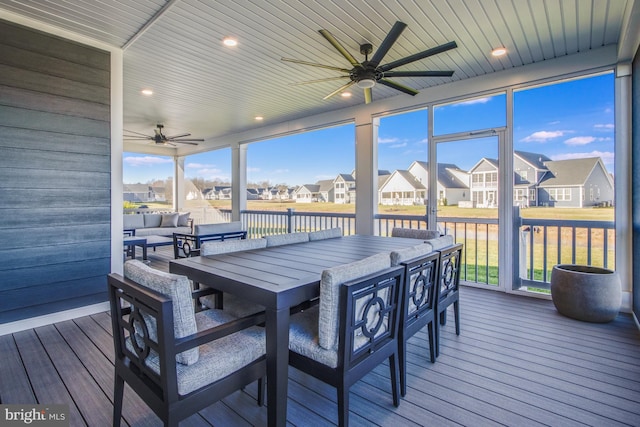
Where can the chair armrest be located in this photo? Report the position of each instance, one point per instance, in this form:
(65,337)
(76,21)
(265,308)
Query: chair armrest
(215,333)
(188,245)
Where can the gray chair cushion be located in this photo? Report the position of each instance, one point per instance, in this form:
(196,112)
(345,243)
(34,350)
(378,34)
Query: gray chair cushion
(176,287)
(325,234)
(286,239)
(441,242)
(330,283)
(303,338)
(415,234)
(407,254)
(234,245)
(232,304)
(221,227)
(218,358)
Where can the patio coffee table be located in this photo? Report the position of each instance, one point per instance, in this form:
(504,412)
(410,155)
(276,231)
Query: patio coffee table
(155,241)
(130,243)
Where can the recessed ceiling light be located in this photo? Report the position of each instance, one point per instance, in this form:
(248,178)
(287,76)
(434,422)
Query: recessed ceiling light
(346,94)
(230,41)
(259,118)
(147,92)
(499,51)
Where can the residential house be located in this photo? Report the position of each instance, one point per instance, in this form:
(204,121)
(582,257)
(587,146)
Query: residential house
(528,169)
(138,193)
(344,186)
(484,183)
(402,188)
(576,183)
(453,182)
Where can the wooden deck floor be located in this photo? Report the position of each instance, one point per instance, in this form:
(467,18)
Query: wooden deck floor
(517,362)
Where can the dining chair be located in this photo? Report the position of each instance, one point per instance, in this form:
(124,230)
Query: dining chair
(353,329)
(413,233)
(419,300)
(286,239)
(230,303)
(448,292)
(177,361)
(330,233)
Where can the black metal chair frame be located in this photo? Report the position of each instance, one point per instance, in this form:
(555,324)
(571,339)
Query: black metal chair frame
(188,245)
(160,391)
(353,365)
(420,287)
(448,288)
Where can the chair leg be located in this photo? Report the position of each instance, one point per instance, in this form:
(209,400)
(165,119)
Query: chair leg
(394,369)
(436,330)
(118,393)
(403,367)
(431,327)
(443,317)
(261,391)
(343,405)
(456,313)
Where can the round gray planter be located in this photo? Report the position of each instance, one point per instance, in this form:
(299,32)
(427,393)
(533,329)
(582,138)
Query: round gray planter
(591,294)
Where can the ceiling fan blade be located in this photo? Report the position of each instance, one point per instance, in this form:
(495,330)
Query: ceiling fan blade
(137,133)
(418,74)
(418,56)
(313,64)
(398,86)
(367,95)
(132,137)
(388,41)
(185,141)
(340,89)
(335,43)
(177,136)
(328,79)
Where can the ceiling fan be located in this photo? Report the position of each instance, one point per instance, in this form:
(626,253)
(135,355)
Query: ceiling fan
(161,139)
(368,73)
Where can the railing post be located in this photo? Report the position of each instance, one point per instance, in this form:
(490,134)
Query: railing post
(289,219)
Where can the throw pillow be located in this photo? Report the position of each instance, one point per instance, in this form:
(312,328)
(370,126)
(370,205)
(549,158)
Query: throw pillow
(169,220)
(183,219)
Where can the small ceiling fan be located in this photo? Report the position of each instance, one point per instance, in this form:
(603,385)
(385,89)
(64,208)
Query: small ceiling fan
(161,139)
(368,73)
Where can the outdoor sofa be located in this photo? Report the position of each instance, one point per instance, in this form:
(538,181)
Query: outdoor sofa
(157,224)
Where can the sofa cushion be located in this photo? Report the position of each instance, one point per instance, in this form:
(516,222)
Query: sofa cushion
(330,283)
(152,220)
(407,254)
(176,287)
(133,221)
(183,219)
(169,220)
(162,231)
(221,227)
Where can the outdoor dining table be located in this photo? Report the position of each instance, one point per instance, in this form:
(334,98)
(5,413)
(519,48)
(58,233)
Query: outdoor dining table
(278,278)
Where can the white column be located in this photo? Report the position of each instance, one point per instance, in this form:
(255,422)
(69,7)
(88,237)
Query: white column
(117,115)
(623,183)
(366,173)
(178,183)
(238,180)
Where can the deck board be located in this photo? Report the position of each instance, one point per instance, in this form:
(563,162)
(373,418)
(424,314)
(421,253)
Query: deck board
(516,362)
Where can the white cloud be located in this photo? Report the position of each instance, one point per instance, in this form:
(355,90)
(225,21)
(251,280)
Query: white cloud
(543,136)
(580,140)
(387,140)
(472,102)
(605,127)
(146,161)
(198,165)
(400,145)
(606,156)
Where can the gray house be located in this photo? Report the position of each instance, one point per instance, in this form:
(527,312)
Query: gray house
(138,193)
(576,183)
(528,169)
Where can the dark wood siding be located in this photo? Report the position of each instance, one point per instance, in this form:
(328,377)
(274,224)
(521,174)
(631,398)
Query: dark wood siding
(55,173)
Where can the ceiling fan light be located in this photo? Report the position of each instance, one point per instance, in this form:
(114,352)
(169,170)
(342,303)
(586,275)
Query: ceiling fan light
(230,41)
(366,83)
(499,51)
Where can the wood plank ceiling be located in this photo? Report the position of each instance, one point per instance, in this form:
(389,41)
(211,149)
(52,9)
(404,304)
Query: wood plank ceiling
(203,87)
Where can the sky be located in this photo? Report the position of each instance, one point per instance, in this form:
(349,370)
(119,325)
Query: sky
(565,120)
